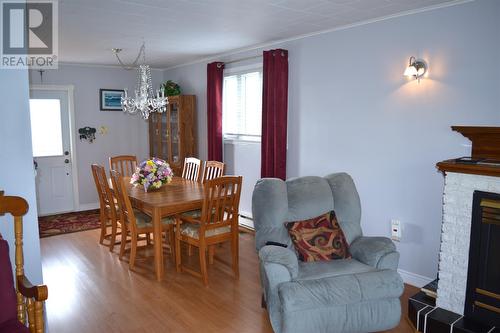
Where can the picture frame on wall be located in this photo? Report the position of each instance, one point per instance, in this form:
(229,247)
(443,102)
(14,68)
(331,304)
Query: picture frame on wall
(110,99)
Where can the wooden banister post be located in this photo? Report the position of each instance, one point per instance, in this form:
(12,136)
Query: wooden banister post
(18,233)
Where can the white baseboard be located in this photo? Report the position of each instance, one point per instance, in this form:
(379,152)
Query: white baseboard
(90,206)
(246,214)
(245,220)
(414,279)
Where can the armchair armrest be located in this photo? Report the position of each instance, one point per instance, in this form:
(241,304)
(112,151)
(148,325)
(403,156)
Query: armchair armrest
(27,289)
(379,252)
(271,254)
(278,265)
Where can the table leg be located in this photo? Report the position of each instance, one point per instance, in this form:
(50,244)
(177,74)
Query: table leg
(158,244)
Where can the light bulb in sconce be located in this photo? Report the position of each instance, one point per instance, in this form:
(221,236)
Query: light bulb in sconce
(416,68)
(410,71)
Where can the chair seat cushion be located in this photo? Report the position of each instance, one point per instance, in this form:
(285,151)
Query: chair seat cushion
(339,290)
(192,230)
(145,221)
(8,303)
(324,269)
(319,238)
(193,213)
(13,326)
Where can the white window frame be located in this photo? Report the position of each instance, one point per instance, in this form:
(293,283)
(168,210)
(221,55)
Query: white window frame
(235,138)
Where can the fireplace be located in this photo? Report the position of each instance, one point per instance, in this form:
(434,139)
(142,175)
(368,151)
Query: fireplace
(482,301)
(468,291)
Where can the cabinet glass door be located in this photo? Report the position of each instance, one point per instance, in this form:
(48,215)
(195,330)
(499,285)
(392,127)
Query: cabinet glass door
(164,136)
(174,132)
(154,135)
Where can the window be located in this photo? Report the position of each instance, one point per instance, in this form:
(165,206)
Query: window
(242,106)
(46,130)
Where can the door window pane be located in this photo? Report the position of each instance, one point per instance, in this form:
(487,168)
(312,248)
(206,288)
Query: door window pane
(46,129)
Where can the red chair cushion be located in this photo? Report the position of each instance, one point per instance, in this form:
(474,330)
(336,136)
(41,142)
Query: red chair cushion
(8,301)
(13,326)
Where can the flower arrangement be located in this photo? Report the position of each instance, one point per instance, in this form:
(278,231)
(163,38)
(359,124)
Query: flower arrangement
(152,174)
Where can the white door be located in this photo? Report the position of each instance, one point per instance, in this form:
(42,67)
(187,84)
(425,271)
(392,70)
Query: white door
(50,134)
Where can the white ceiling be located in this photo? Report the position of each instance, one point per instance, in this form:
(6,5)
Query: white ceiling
(181,31)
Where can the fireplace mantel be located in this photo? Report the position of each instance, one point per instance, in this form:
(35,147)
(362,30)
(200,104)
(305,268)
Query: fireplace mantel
(474,169)
(485,145)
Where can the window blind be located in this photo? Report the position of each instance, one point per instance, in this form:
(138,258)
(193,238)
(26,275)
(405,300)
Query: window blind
(242,106)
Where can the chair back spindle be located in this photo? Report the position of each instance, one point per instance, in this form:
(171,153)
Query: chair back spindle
(212,170)
(124,164)
(191,170)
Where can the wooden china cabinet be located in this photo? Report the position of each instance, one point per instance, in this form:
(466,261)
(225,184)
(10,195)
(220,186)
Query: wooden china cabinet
(172,134)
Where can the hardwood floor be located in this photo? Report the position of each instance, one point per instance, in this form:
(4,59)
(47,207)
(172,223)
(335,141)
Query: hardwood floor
(90,290)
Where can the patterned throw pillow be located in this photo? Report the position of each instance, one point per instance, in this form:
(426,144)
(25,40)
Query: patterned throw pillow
(319,238)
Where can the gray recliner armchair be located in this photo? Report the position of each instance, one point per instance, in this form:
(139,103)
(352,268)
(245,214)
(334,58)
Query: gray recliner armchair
(349,295)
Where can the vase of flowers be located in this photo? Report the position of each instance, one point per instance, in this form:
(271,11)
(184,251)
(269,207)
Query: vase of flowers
(152,174)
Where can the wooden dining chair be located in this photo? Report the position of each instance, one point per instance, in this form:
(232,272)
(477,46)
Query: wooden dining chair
(21,302)
(212,170)
(136,222)
(191,170)
(108,208)
(217,224)
(124,164)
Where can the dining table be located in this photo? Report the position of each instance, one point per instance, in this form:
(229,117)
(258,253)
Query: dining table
(178,196)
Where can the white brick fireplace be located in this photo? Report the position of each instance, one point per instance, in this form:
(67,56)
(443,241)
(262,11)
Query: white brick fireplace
(455,235)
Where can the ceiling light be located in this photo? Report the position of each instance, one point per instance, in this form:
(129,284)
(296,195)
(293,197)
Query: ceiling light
(144,101)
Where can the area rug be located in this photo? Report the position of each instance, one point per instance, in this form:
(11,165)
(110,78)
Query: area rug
(67,223)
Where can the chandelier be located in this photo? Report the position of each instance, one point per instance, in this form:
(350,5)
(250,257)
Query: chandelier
(144,101)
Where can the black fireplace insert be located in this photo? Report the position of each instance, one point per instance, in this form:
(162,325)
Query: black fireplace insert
(482,302)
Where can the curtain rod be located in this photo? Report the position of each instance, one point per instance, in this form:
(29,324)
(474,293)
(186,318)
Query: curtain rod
(242,59)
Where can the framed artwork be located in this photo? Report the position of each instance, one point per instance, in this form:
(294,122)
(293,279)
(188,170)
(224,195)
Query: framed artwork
(111,99)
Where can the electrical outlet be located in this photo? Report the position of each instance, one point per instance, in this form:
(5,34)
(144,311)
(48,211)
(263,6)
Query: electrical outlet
(395,230)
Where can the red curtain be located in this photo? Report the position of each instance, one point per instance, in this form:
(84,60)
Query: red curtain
(215,71)
(274,114)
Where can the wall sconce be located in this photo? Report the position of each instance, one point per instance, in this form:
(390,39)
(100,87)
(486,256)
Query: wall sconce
(416,68)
